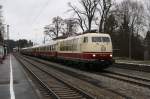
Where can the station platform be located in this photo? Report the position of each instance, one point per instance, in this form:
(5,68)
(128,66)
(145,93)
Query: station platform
(132,62)
(14,83)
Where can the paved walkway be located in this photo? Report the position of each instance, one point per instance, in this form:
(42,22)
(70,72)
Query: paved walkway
(13,82)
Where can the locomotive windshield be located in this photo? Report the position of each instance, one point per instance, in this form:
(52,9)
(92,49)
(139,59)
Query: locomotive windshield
(96,39)
(100,39)
(105,39)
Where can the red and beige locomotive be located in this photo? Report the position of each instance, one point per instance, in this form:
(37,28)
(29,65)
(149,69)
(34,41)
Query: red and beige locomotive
(91,48)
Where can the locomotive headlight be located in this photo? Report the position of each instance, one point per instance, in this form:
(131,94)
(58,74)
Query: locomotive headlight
(111,55)
(94,55)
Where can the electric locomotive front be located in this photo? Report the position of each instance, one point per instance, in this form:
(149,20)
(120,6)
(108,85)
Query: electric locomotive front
(86,48)
(97,48)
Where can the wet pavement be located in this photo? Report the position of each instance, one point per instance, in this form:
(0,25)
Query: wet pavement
(21,86)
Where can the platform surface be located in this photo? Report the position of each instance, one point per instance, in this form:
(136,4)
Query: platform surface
(133,62)
(21,87)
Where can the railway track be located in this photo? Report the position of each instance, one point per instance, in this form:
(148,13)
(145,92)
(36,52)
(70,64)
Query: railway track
(85,78)
(109,74)
(127,78)
(118,76)
(56,87)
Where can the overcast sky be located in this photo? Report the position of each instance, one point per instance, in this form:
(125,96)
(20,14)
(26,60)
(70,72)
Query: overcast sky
(28,17)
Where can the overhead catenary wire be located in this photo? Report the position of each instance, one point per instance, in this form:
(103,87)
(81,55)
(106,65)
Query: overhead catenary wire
(40,12)
(38,16)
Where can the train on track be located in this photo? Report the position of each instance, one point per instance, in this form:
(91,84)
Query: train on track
(89,48)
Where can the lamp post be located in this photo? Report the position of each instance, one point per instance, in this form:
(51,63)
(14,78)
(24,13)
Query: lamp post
(130,45)
(5,37)
(7,32)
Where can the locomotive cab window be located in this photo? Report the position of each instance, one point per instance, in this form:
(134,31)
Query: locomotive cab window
(96,39)
(106,39)
(85,40)
(100,39)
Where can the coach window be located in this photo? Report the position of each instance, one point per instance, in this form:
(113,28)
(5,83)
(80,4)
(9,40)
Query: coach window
(85,40)
(49,48)
(52,47)
(42,49)
(45,49)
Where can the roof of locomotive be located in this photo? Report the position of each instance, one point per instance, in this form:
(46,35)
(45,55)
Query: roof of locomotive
(86,34)
(69,38)
(95,34)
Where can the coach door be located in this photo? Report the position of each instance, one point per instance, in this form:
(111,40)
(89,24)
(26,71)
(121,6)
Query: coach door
(84,44)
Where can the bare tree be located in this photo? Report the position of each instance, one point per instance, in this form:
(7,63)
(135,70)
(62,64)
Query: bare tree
(133,12)
(86,13)
(71,26)
(104,9)
(61,27)
(130,17)
(147,2)
(54,29)
(58,24)
(80,18)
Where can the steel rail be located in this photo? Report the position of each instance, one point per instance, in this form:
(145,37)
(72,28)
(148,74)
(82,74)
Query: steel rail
(122,79)
(80,76)
(128,76)
(51,92)
(126,79)
(83,93)
(131,79)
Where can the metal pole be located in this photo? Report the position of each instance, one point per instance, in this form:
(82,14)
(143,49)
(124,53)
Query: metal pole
(8,50)
(44,39)
(130,35)
(130,46)
(7,32)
